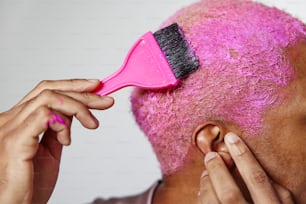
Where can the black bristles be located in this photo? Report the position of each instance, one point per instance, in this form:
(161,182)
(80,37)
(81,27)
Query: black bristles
(177,51)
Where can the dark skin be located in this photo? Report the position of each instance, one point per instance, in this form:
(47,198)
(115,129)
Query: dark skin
(29,168)
(286,131)
(218,183)
(273,173)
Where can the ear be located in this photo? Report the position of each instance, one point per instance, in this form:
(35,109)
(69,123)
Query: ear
(210,137)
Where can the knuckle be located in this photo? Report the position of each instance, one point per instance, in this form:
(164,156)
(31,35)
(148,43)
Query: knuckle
(80,107)
(41,117)
(87,95)
(81,110)
(74,82)
(43,84)
(46,94)
(40,114)
(258,177)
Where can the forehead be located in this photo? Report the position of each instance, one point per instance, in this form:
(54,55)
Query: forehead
(297,56)
(293,107)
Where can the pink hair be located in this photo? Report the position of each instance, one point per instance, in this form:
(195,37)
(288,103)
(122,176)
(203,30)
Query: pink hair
(240,45)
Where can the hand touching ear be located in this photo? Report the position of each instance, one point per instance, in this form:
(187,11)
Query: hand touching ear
(217,185)
(209,137)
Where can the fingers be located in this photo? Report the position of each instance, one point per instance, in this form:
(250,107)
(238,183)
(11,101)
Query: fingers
(50,107)
(25,136)
(223,183)
(283,194)
(252,173)
(77,105)
(220,186)
(52,144)
(77,85)
(207,194)
(59,128)
(93,101)
(47,110)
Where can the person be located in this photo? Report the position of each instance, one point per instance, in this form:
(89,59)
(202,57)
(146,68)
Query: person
(251,81)
(29,168)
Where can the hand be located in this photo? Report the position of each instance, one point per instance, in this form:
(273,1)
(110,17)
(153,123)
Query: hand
(29,165)
(218,186)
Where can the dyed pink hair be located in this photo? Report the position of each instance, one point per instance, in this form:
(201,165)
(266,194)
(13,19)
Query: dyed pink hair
(240,45)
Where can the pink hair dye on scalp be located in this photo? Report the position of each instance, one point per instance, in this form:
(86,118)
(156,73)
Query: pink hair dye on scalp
(243,68)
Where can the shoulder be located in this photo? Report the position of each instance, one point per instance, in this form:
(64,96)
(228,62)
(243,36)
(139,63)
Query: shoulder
(136,199)
(142,198)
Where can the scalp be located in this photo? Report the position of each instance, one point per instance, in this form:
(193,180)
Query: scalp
(240,45)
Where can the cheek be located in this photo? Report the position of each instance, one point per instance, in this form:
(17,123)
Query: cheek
(281,152)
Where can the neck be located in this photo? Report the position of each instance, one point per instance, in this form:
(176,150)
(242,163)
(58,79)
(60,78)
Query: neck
(182,186)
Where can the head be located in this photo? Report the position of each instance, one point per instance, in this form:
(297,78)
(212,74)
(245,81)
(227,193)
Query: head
(250,80)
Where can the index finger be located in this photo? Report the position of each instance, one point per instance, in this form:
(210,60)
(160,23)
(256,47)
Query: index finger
(254,176)
(77,85)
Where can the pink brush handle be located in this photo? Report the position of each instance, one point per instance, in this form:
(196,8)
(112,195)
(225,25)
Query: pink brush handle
(145,66)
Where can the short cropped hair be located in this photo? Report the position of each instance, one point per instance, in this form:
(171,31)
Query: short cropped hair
(243,68)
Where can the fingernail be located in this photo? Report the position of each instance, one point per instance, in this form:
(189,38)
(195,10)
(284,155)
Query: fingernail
(205,173)
(107,98)
(209,156)
(232,138)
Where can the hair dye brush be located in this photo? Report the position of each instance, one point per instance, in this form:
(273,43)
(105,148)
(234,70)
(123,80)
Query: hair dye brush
(157,60)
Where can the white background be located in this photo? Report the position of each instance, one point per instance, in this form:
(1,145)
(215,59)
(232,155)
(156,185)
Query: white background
(58,39)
